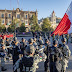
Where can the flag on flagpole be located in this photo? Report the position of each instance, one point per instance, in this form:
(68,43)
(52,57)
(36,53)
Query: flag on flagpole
(65,25)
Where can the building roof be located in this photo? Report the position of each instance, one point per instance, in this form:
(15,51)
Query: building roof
(17,10)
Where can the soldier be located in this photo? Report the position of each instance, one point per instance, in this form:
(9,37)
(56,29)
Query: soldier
(7,42)
(40,42)
(28,58)
(46,51)
(23,45)
(29,61)
(2,54)
(58,37)
(15,52)
(55,56)
(35,43)
(53,37)
(67,38)
(49,36)
(66,54)
(71,37)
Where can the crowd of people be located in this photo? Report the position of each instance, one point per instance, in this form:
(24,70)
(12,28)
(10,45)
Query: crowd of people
(26,54)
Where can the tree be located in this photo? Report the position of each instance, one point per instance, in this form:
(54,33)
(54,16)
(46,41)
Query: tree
(22,28)
(3,28)
(35,27)
(9,29)
(46,26)
(34,24)
(33,20)
(13,26)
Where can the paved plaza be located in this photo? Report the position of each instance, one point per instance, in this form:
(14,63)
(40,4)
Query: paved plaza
(9,65)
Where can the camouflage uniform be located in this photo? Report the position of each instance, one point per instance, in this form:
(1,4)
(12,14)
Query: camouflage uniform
(67,38)
(55,55)
(71,37)
(66,54)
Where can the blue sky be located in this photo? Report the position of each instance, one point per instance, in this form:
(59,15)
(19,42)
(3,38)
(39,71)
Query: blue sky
(44,7)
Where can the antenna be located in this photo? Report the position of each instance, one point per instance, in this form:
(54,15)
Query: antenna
(22,4)
(18,3)
(10,4)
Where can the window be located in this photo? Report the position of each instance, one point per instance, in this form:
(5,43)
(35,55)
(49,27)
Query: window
(10,22)
(2,15)
(9,15)
(26,22)
(2,21)
(26,16)
(18,15)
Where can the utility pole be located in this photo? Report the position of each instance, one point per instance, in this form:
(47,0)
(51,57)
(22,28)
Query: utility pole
(10,4)
(18,3)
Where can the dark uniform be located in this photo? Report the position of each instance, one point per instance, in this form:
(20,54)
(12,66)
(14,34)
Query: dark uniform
(53,37)
(7,42)
(23,45)
(15,53)
(71,37)
(46,51)
(67,37)
(2,54)
(55,54)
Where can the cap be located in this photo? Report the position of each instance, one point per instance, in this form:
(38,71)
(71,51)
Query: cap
(55,42)
(1,41)
(63,39)
(46,40)
(30,40)
(30,49)
(34,39)
(15,38)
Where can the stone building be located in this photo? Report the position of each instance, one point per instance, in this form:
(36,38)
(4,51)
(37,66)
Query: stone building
(7,16)
(53,19)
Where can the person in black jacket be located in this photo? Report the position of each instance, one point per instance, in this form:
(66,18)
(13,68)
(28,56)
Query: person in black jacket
(15,52)
(46,51)
(23,45)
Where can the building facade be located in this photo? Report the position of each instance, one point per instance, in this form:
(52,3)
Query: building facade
(53,19)
(7,16)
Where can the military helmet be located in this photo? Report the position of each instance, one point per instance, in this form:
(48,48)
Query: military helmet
(30,40)
(1,40)
(30,49)
(22,39)
(55,42)
(39,37)
(6,38)
(34,39)
(63,39)
(46,40)
(15,38)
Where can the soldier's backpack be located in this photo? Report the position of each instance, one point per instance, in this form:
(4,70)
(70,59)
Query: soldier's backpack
(27,62)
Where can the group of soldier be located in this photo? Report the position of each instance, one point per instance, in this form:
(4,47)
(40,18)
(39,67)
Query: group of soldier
(27,54)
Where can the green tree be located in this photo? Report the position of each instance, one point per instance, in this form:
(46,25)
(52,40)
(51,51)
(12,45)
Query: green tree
(35,27)
(46,26)
(22,28)
(34,23)
(9,29)
(14,25)
(3,28)
(33,20)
